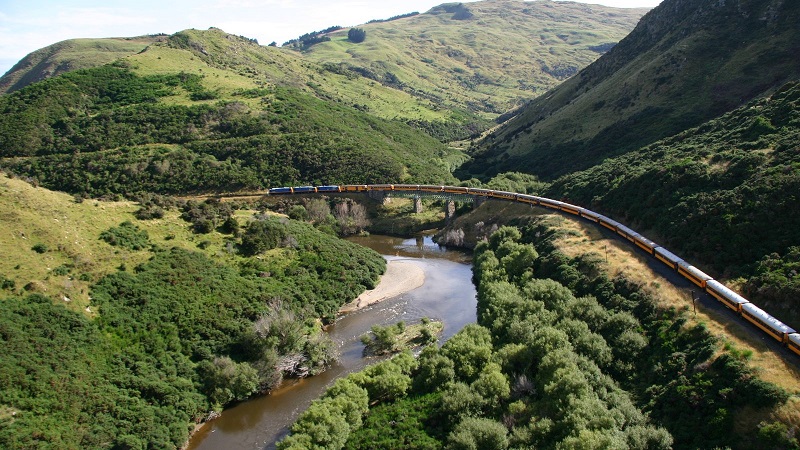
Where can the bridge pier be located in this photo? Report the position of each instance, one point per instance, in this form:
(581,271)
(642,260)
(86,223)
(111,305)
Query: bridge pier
(449,211)
(378,196)
(417,204)
(479,199)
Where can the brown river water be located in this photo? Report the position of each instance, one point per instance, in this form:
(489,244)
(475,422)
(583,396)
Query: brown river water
(447,294)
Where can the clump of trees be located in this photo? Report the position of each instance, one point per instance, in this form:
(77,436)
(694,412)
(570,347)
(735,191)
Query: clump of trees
(126,235)
(344,217)
(382,340)
(356,35)
(175,339)
(563,357)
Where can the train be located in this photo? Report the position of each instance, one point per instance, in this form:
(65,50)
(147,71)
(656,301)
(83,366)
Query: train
(742,307)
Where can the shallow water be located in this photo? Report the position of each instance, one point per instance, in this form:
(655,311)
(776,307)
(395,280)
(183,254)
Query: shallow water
(447,294)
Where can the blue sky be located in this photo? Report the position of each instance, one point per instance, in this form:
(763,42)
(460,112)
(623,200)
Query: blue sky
(28,25)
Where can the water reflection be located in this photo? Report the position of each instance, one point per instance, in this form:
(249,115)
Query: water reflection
(447,295)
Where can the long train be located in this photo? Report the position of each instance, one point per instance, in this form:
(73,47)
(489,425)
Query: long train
(740,305)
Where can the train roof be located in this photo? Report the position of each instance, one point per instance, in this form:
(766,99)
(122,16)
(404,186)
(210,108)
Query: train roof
(669,255)
(726,292)
(608,220)
(650,243)
(794,337)
(694,270)
(768,320)
(626,230)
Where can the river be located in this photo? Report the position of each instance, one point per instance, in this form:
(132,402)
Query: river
(447,295)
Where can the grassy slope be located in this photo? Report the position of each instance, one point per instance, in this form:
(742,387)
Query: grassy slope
(508,52)
(449,69)
(685,63)
(305,138)
(34,215)
(69,55)
(232,63)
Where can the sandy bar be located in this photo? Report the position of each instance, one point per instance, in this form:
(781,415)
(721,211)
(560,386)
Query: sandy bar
(400,277)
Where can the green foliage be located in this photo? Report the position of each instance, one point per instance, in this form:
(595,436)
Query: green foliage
(401,424)
(103,131)
(72,387)
(383,339)
(478,434)
(314,259)
(672,369)
(171,339)
(470,350)
(329,421)
(226,380)
(718,195)
(126,235)
(387,380)
(40,248)
(262,235)
(356,35)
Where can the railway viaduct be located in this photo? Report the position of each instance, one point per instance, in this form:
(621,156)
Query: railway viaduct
(743,308)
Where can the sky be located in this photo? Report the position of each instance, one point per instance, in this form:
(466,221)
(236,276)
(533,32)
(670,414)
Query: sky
(28,25)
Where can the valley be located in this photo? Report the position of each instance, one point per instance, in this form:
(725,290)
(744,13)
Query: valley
(151,283)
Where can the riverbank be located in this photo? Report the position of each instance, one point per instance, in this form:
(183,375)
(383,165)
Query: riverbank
(400,277)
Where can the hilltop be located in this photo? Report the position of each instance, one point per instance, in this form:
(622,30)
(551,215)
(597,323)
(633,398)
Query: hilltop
(685,62)
(450,71)
(487,57)
(70,55)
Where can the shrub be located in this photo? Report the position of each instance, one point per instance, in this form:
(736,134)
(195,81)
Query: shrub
(262,235)
(126,235)
(356,35)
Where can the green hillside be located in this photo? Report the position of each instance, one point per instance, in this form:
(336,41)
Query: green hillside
(684,63)
(124,333)
(70,55)
(486,57)
(724,194)
(449,71)
(173,132)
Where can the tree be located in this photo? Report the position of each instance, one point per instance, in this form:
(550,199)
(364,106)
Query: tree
(262,235)
(478,433)
(470,349)
(356,35)
(318,210)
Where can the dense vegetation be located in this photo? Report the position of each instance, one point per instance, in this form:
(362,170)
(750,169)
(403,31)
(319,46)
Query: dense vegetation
(103,131)
(562,357)
(723,195)
(171,339)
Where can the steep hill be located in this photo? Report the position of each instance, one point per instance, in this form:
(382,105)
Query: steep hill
(684,63)
(69,55)
(724,194)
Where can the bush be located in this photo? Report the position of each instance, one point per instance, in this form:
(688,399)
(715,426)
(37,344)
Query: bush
(262,235)
(40,248)
(126,235)
(356,35)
